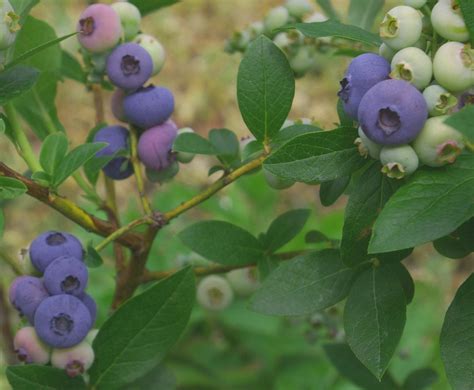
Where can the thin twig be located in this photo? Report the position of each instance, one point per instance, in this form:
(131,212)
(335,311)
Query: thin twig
(6,329)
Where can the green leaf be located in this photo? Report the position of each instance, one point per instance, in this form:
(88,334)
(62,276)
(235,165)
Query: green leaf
(42,378)
(467,9)
(92,257)
(159,378)
(226,144)
(284,228)
(457,244)
(266,265)
(462,121)
(405,280)
(23,8)
(2,223)
(71,68)
(344,119)
(16,81)
(331,191)
(351,368)
(420,379)
(148,6)
(328,8)
(74,160)
(42,178)
(222,242)
(265,88)
(372,191)
(316,237)
(431,205)
(332,28)
(304,285)
(139,334)
(193,143)
(374,318)
(3,126)
(11,188)
(457,341)
(363,13)
(32,52)
(38,106)
(53,150)
(293,131)
(318,156)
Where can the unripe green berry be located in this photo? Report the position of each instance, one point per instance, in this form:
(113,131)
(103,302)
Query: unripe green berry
(439,100)
(282,40)
(130,18)
(184,157)
(298,8)
(413,65)
(415,3)
(448,21)
(244,281)
(367,147)
(75,360)
(401,27)
(398,161)
(303,60)
(214,293)
(276,182)
(438,144)
(8,24)
(154,48)
(256,29)
(277,17)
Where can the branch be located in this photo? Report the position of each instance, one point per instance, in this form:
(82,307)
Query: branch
(6,329)
(72,211)
(13,263)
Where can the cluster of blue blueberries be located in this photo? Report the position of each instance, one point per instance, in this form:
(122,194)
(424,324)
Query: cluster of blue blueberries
(59,311)
(112,33)
(402,97)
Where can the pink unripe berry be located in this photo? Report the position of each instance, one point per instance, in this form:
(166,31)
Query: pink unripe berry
(29,348)
(75,360)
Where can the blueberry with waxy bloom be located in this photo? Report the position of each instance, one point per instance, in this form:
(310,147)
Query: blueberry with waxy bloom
(117,138)
(29,348)
(363,73)
(116,104)
(89,302)
(99,28)
(62,321)
(155,144)
(149,106)
(392,112)
(51,245)
(75,360)
(26,294)
(129,66)
(66,275)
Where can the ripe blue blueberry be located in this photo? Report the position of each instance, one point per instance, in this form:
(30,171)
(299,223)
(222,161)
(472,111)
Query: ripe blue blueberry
(438,144)
(401,27)
(214,293)
(66,275)
(149,106)
(448,21)
(130,18)
(26,294)
(439,100)
(99,28)
(8,25)
(29,348)
(154,48)
(75,360)
(453,66)
(155,144)
(413,65)
(116,104)
(465,99)
(129,66)
(51,245)
(89,302)
(367,147)
(392,113)
(277,17)
(62,321)
(117,138)
(398,161)
(363,73)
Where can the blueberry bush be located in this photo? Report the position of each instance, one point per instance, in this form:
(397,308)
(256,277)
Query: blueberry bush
(401,154)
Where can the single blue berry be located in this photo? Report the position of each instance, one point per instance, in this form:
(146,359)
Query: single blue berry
(392,112)
(51,245)
(89,302)
(129,66)
(363,73)
(66,275)
(149,106)
(62,321)
(26,294)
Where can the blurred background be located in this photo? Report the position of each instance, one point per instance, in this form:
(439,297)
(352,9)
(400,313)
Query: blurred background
(235,348)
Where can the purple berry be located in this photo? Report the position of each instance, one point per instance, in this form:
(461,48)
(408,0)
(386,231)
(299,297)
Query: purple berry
(129,66)
(392,113)
(149,106)
(117,138)
(100,28)
(155,144)
(116,104)
(89,302)
(51,245)
(66,275)
(75,360)
(363,73)
(29,348)
(26,294)
(62,321)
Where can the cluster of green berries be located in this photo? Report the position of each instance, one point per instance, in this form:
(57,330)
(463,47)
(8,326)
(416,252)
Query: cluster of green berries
(402,97)
(113,45)
(60,314)
(302,52)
